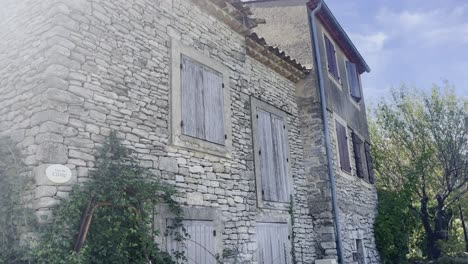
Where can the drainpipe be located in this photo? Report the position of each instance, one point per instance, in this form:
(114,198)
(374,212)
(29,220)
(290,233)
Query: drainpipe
(331,174)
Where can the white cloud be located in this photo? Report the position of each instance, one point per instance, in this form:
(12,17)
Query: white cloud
(373,42)
(426,27)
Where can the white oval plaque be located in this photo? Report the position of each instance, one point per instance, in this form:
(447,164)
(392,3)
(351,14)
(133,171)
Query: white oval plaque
(58,173)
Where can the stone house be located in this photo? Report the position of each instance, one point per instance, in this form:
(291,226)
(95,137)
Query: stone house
(209,106)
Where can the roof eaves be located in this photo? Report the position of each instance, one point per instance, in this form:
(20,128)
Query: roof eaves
(275,58)
(325,13)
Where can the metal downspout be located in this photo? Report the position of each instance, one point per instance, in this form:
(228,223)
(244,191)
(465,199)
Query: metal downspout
(331,174)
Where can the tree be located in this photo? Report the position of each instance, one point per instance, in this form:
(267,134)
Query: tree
(421,142)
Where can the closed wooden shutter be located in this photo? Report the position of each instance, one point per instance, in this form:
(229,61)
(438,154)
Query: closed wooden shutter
(273,245)
(267,156)
(273,157)
(193,112)
(281,158)
(214,105)
(353,81)
(202,101)
(343,150)
(357,145)
(331,58)
(199,246)
(370,165)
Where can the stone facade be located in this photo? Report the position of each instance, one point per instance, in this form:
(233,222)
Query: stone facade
(74,70)
(357,198)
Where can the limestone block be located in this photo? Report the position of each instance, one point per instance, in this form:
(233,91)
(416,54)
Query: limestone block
(195,198)
(45,202)
(45,191)
(63,96)
(50,152)
(168,164)
(49,115)
(325,261)
(196,169)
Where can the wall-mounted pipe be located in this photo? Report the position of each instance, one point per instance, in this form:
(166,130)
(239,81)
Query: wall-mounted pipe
(326,128)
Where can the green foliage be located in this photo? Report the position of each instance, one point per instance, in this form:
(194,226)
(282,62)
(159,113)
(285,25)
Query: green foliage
(460,259)
(393,226)
(121,229)
(419,149)
(15,218)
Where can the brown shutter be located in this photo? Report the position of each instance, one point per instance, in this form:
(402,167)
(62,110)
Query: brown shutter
(331,57)
(343,147)
(193,116)
(214,105)
(370,165)
(357,142)
(353,81)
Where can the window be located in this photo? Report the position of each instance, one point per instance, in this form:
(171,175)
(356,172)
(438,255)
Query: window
(359,254)
(342,146)
(273,245)
(360,157)
(353,81)
(331,58)
(271,153)
(202,101)
(363,159)
(199,246)
(370,165)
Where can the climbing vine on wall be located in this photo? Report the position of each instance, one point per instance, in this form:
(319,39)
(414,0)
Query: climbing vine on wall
(109,218)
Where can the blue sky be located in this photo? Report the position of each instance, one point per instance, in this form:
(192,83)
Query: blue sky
(416,42)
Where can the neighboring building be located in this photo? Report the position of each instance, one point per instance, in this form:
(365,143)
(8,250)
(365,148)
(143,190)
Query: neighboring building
(287,27)
(207,105)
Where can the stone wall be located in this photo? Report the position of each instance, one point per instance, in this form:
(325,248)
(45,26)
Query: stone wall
(357,202)
(88,67)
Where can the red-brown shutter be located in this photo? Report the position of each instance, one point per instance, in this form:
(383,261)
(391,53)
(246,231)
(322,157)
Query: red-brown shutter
(357,155)
(370,166)
(331,58)
(343,147)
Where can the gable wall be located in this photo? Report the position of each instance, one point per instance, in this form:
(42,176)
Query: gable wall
(111,71)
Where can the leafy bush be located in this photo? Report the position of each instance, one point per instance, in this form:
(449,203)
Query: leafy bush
(15,218)
(453,260)
(123,195)
(393,226)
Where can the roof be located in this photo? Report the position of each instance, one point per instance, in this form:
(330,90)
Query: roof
(237,16)
(275,58)
(334,28)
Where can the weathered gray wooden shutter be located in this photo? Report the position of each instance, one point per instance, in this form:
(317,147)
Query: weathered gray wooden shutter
(273,243)
(353,81)
(193,116)
(267,156)
(281,158)
(343,150)
(357,142)
(214,105)
(199,246)
(370,165)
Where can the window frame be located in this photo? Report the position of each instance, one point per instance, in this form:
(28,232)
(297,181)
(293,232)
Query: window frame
(356,103)
(177,138)
(339,82)
(365,177)
(261,203)
(337,118)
